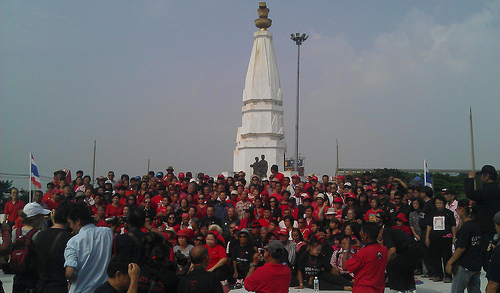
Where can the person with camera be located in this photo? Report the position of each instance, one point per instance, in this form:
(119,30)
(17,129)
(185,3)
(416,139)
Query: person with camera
(182,250)
(273,276)
(123,276)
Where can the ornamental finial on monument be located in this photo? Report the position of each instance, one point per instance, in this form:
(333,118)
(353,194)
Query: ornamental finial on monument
(263,22)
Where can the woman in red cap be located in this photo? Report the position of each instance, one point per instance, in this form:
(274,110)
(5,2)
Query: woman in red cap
(402,224)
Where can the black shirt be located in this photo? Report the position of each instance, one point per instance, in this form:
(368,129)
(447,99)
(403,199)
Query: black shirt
(441,223)
(488,202)
(398,239)
(427,210)
(493,273)
(468,237)
(310,265)
(200,281)
(126,245)
(243,255)
(209,221)
(165,280)
(51,270)
(105,288)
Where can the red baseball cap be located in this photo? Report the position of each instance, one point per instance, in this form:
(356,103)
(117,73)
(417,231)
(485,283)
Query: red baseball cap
(181,175)
(338,200)
(314,178)
(283,231)
(56,191)
(220,176)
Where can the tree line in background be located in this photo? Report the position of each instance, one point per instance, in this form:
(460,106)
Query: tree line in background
(439,181)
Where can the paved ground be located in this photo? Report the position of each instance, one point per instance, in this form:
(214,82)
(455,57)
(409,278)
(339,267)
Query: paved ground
(427,286)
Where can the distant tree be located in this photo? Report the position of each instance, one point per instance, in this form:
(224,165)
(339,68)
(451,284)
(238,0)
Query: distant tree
(24,195)
(5,187)
(439,180)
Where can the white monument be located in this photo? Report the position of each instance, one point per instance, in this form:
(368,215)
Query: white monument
(261,132)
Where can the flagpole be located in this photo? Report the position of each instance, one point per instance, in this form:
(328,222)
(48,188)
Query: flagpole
(472,140)
(337,169)
(93,167)
(425,175)
(29,184)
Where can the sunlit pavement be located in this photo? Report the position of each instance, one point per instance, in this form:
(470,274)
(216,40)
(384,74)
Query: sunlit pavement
(428,286)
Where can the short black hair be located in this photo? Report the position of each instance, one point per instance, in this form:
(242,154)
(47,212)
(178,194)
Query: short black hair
(118,263)
(136,216)
(61,213)
(371,230)
(290,218)
(80,211)
(439,197)
(428,191)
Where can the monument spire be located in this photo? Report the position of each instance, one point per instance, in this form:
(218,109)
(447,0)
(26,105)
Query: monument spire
(261,132)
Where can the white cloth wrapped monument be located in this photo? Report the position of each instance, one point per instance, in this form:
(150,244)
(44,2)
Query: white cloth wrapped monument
(261,132)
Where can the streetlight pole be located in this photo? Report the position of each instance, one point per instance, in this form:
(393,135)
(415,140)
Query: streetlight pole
(298,39)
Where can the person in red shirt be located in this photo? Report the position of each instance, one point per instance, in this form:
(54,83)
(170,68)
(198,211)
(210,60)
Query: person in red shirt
(308,216)
(13,207)
(402,224)
(53,202)
(371,214)
(264,222)
(368,264)
(48,194)
(277,175)
(217,256)
(115,209)
(273,276)
(278,189)
(100,217)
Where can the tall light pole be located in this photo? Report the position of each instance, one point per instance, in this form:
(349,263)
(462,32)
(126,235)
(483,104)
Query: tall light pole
(298,39)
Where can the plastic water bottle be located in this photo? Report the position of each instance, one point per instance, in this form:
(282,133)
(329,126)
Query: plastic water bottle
(316,285)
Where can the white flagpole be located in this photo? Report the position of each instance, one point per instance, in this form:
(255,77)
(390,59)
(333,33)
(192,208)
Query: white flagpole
(29,184)
(425,173)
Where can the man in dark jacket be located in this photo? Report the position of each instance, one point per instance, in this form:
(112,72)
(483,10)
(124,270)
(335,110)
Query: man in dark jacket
(199,280)
(488,203)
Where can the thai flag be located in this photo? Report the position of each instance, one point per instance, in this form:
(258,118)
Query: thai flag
(427,176)
(35,178)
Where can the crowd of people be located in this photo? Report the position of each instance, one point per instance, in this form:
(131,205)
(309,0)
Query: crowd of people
(175,233)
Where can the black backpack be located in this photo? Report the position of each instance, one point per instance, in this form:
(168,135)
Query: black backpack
(23,255)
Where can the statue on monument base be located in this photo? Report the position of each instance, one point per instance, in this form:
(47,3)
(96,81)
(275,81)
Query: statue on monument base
(260,167)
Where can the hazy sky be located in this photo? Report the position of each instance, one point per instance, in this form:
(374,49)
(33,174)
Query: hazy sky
(163,80)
